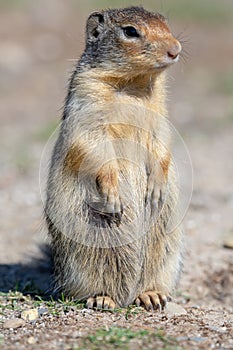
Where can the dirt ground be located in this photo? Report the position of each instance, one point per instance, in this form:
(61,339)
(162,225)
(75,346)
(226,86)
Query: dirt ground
(39,41)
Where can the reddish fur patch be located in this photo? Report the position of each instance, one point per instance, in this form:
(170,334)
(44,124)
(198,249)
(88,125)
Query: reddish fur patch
(164,163)
(107,177)
(157,30)
(121,131)
(74,158)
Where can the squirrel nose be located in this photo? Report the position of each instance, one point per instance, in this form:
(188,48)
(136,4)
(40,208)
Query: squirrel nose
(174,51)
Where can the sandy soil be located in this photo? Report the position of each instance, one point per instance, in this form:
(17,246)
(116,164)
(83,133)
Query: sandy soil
(35,61)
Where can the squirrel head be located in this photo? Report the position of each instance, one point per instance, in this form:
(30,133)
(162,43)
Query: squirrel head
(130,41)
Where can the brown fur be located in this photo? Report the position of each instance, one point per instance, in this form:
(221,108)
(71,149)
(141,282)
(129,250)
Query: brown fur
(111,172)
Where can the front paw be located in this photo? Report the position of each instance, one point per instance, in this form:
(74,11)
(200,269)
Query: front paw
(155,194)
(110,205)
(157,173)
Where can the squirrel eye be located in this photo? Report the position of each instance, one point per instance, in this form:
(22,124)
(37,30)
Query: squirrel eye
(131,32)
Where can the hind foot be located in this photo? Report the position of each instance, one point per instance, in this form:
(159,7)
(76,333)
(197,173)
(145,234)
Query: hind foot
(101,302)
(152,300)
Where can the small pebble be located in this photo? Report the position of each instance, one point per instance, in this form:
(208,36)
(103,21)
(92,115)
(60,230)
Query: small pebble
(87,311)
(174,309)
(30,315)
(198,339)
(228,240)
(13,323)
(76,334)
(43,311)
(31,340)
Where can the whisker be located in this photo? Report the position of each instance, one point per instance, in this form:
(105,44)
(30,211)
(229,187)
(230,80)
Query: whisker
(183,34)
(185,41)
(184,58)
(185,53)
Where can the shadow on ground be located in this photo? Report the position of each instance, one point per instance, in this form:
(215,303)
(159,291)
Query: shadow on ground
(34,277)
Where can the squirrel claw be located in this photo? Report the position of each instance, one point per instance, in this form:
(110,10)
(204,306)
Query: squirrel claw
(112,208)
(103,212)
(152,301)
(155,195)
(101,303)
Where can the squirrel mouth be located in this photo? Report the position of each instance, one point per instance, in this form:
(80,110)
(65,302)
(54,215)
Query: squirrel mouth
(162,66)
(166,64)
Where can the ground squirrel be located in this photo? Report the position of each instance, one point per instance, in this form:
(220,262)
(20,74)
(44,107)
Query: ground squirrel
(111,190)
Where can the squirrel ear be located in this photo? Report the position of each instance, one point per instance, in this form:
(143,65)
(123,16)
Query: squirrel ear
(95,25)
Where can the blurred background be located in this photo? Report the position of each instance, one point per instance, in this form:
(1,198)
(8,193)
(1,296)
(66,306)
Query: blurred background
(40,42)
